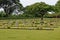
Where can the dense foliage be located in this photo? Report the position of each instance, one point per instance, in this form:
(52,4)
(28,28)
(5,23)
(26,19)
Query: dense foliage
(37,10)
(58,5)
(10,5)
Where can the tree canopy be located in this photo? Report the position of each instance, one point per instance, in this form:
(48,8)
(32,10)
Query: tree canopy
(10,5)
(58,5)
(39,9)
(35,10)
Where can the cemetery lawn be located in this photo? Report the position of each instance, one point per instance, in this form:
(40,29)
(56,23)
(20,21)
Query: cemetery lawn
(16,34)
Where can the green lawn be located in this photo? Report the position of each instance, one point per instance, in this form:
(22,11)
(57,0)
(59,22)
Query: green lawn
(13,34)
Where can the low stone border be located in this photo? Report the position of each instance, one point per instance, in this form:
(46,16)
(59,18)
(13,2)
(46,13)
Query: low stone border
(29,28)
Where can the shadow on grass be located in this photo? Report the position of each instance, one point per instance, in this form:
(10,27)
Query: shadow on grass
(29,28)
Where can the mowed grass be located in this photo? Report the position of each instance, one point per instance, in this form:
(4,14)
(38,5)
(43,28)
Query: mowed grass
(16,34)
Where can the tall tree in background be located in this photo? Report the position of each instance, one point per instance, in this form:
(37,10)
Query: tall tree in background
(10,5)
(39,9)
(58,6)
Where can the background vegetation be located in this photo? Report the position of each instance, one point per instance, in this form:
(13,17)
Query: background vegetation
(34,11)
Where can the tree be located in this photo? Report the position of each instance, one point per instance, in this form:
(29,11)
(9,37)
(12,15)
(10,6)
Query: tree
(38,9)
(2,14)
(58,6)
(10,5)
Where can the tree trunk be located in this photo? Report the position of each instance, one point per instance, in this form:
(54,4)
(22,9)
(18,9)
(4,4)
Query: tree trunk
(6,11)
(41,22)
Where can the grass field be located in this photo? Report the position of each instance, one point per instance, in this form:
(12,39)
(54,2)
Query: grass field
(17,34)
(11,34)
